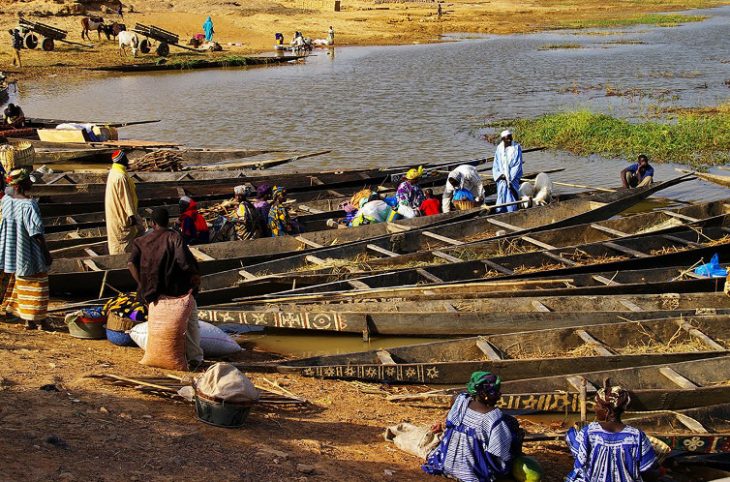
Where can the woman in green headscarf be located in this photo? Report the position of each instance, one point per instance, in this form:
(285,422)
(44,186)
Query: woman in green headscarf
(480,442)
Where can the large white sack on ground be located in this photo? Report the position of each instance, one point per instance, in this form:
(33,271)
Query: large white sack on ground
(214,341)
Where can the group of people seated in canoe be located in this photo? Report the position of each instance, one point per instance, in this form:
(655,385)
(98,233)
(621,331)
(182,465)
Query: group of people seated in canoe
(478,442)
(267,216)
(464,189)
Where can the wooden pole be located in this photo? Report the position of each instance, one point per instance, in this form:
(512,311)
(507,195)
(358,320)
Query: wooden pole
(582,397)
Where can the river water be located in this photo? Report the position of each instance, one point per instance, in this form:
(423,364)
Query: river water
(380,106)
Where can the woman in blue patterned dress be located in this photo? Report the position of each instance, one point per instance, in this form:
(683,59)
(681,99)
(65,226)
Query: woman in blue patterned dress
(607,450)
(480,442)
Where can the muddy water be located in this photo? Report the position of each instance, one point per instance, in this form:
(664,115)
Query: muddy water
(378,106)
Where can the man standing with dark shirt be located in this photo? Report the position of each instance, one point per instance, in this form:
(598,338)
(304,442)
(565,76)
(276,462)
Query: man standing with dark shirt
(163,265)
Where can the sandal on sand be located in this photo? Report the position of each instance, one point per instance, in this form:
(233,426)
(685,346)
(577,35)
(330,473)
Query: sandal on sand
(30,325)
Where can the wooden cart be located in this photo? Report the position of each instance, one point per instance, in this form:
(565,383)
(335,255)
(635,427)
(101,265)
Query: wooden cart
(32,30)
(164,37)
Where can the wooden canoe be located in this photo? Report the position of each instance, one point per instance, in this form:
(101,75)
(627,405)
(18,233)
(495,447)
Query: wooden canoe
(673,279)
(707,176)
(660,387)
(75,182)
(67,274)
(680,248)
(530,304)
(440,245)
(83,277)
(300,186)
(522,355)
(672,386)
(64,232)
(582,209)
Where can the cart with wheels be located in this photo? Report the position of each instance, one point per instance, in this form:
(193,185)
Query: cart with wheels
(33,31)
(164,38)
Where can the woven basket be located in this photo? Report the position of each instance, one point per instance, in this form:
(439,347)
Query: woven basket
(118,323)
(21,154)
(464,204)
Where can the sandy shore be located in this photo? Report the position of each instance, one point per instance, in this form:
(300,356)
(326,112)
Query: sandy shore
(105,433)
(251,28)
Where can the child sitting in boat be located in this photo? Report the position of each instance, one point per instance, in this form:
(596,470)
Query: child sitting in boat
(280,222)
(607,450)
(430,205)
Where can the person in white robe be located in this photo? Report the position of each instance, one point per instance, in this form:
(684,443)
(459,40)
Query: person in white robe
(507,171)
(463,177)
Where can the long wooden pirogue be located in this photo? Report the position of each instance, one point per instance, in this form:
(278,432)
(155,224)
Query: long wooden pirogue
(479,317)
(681,247)
(478,240)
(84,183)
(671,386)
(68,274)
(301,186)
(531,354)
(673,279)
(659,387)
(90,227)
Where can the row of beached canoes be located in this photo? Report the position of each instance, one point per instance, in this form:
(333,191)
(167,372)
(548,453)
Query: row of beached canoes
(550,296)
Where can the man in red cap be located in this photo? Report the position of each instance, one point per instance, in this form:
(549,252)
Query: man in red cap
(120,206)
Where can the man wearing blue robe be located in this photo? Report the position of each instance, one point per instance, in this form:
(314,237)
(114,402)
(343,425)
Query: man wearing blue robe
(507,172)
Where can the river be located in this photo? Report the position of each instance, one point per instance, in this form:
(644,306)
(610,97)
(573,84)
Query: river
(381,106)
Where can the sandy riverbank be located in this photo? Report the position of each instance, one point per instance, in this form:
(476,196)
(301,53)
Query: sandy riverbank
(112,433)
(251,27)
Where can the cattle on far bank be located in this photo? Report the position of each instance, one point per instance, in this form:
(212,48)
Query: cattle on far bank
(128,39)
(110,30)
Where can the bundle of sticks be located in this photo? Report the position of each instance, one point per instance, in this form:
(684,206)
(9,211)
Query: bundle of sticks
(226,208)
(272,395)
(163,160)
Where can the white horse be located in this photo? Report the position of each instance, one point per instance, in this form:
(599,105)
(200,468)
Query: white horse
(128,39)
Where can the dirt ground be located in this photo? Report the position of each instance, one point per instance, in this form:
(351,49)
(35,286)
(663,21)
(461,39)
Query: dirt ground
(94,431)
(245,28)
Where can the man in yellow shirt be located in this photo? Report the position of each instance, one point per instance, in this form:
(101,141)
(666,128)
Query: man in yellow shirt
(120,206)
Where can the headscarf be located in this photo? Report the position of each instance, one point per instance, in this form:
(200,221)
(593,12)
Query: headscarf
(242,190)
(613,398)
(118,156)
(484,382)
(414,173)
(278,192)
(505,133)
(19,176)
(263,190)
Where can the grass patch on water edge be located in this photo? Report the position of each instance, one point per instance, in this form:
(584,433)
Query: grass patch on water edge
(698,137)
(656,19)
(560,46)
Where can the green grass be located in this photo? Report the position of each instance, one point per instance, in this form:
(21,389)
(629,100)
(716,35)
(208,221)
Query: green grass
(699,137)
(657,19)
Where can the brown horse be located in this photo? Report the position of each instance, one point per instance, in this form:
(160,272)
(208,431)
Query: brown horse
(91,23)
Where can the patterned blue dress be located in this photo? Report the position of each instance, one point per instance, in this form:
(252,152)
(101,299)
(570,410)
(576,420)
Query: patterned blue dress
(476,447)
(602,456)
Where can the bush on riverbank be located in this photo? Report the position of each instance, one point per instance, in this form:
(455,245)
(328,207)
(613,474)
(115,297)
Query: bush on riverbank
(695,137)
